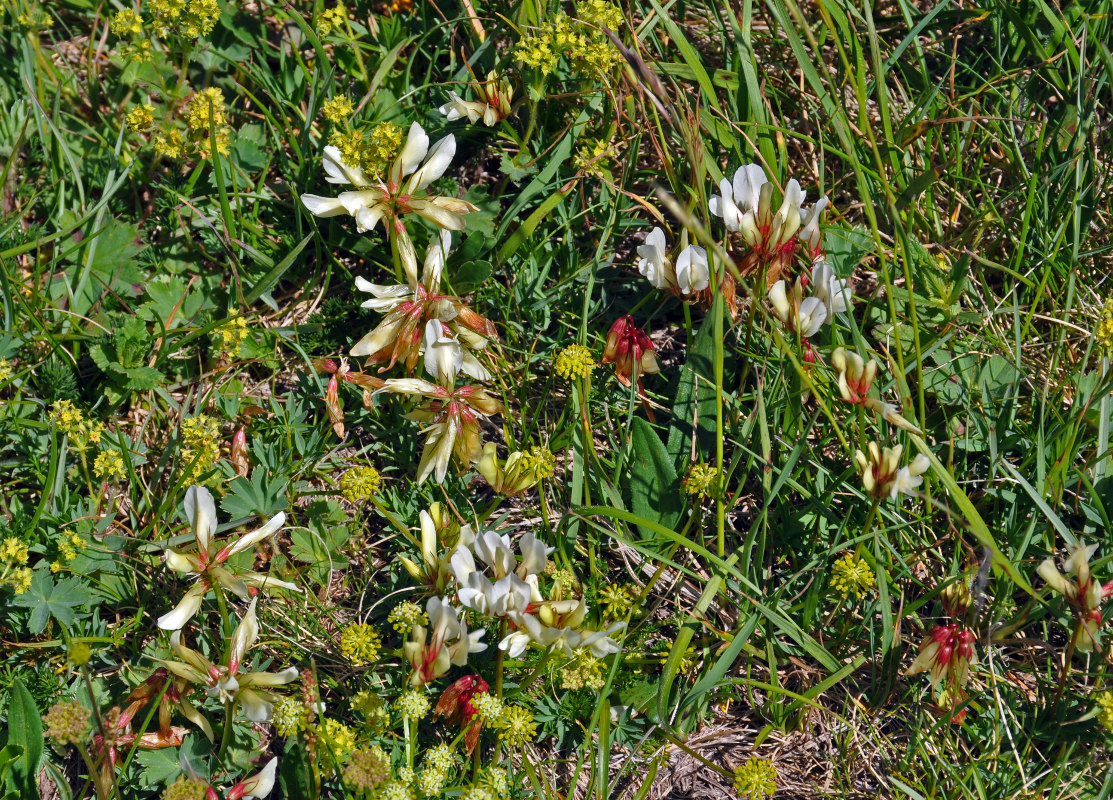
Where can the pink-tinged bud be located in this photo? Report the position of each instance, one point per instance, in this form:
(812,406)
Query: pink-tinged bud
(239,452)
(335,410)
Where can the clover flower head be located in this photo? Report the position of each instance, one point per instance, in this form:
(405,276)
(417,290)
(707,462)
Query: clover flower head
(947,654)
(398,192)
(1083,592)
(882,475)
(207,561)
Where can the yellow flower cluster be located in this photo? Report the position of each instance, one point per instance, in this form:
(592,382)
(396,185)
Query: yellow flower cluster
(13,555)
(541,461)
(617,599)
(1104,330)
(67,722)
(5,369)
(127,22)
(67,549)
(582,41)
(574,361)
(13,551)
(592,156)
(756,779)
(702,481)
(405,615)
(413,705)
(141,118)
(169,144)
(337,109)
(369,150)
(359,483)
(188,18)
(200,448)
(586,672)
(331,20)
(434,770)
(600,13)
(81,430)
(199,107)
(851,575)
(340,738)
(1105,709)
(516,726)
(231,335)
(290,716)
(109,465)
(360,644)
(203,129)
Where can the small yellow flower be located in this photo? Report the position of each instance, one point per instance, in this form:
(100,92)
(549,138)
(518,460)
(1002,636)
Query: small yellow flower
(359,483)
(169,144)
(574,361)
(334,19)
(702,481)
(341,739)
(1104,702)
(13,551)
(5,369)
(290,716)
(127,22)
(20,579)
(517,726)
(197,110)
(617,599)
(109,465)
(756,779)
(1104,330)
(405,615)
(541,461)
(851,576)
(141,118)
(337,109)
(413,705)
(586,672)
(360,644)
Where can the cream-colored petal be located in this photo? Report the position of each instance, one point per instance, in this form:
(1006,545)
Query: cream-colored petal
(323,206)
(201,512)
(185,610)
(254,537)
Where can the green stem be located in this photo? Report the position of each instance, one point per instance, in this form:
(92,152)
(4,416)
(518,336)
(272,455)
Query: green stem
(226,733)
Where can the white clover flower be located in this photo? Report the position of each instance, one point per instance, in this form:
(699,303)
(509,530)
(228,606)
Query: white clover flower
(692,271)
(653,263)
(207,560)
(835,292)
(393,196)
